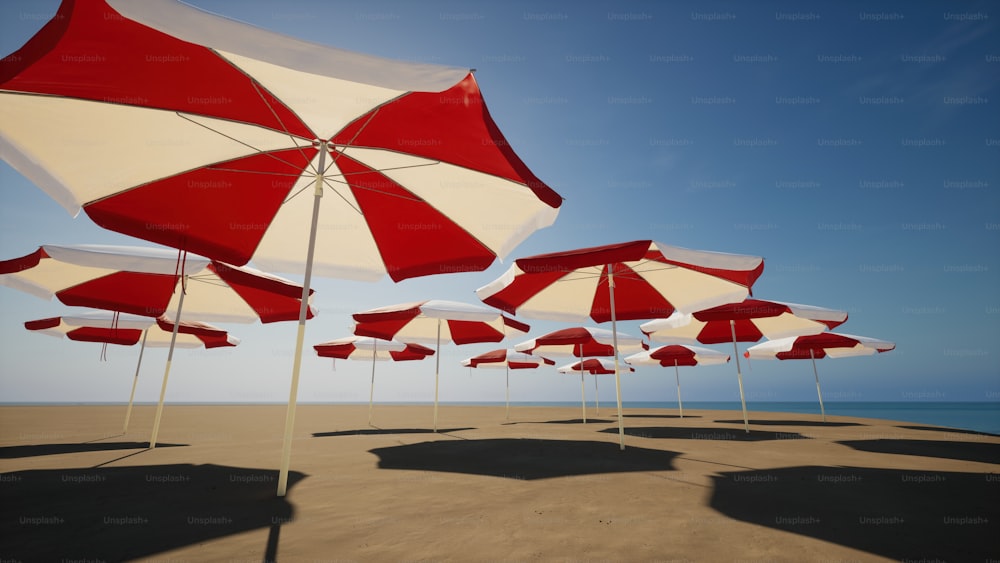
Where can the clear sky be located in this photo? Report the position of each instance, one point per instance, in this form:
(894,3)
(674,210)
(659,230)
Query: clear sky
(854,145)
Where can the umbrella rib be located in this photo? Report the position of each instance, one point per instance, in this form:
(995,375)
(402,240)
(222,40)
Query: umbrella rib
(291,137)
(234,139)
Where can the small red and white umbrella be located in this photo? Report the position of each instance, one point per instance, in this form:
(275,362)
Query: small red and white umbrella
(151,281)
(678,355)
(128,330)
(582,342)
(593,366)
(374,349)
(827,344)
(746,321)
(628,281)
(437,321)
(508,359)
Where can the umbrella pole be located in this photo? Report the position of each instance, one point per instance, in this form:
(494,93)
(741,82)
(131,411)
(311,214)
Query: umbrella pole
(371,390)
(170,358)
(507,370)
(739,376)
(614,340)
(819,393)
(677,377)
(597,398)
(437,374)
(583,392)
(293,393)
(131,396)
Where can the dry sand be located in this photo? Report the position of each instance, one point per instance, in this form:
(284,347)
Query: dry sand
(541,487)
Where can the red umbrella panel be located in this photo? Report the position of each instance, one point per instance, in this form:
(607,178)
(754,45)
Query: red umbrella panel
(508,359)
(678,355)
(374,349)
(629,281)
(151,281)
(128,330)
(747,321)
(435,321)
(593,366)
(827,344)
(219,138)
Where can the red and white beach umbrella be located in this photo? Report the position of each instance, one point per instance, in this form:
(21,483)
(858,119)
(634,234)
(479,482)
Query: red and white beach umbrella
(678,355)
(373,349)
(199,132)
(149,282)
(594,366)
(128,330)
(436,321)
(746,321)
(582,342)
(827,344)
(508,359)
(627,281)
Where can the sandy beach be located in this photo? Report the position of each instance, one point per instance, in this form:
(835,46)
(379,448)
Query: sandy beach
(540,487)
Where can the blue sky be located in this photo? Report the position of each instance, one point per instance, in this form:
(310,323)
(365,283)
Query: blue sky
(855,146)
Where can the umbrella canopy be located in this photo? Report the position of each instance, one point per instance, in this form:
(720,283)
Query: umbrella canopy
(593,366)
(752,319)
(827,344)
(211,134)
(582,342)
(508,359)
(209,130)
(127,330)
(678,355)
(747,321)
(363,348)
(651,279)
(373,349)
(148,281)
(435,321)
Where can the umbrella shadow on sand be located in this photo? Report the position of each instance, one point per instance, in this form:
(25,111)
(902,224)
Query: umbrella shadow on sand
(819,423)
(662,416)
(523,459)
(946,430)
(386,432)
(968,451)
(721,434)
(126,513)
(32,450)
(898,514)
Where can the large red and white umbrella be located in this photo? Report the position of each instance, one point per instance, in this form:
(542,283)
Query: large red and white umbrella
(436,321)
(195,131)
(678,355)
(373,349)
(508,359)
(827,344)
(124,329)
(746,321)
(151,281)
(582,342)
(629,281)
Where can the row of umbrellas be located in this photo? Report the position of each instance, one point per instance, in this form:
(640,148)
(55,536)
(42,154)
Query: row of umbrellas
(248,142)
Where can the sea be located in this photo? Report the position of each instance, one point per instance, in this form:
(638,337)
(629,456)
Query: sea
(972,416)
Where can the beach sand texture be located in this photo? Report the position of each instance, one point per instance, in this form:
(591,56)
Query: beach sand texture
(541,487)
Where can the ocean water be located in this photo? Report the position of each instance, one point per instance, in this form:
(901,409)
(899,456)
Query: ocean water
(975,416)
